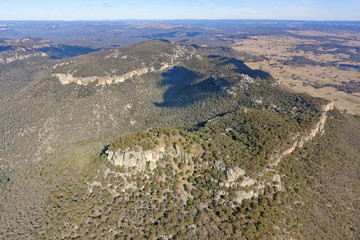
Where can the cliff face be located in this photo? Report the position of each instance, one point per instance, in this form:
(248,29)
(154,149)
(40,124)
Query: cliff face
(118,65)
(319,128)
(17,56)
(140,160)
(102,80)
(21,49)
(237,179)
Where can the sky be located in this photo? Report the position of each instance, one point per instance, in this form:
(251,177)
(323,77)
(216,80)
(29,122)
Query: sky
(348,10)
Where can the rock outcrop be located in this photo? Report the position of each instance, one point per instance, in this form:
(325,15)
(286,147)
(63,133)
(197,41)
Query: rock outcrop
(319,128)
(102,80)
(67,78)
(13,57)
(66,71)
(246,187)
(141,160)
(22,49)
(245,80)
(242,195)
(247,182)
(218,84)
(236,179)
(234,174)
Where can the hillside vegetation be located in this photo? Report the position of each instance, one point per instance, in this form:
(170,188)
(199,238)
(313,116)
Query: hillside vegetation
(92,198)
(189,152)
(46,114)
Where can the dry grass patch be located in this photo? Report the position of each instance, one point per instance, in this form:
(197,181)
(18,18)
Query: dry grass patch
(309,78)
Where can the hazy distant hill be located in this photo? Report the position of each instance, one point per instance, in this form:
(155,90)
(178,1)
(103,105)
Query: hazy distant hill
(23,60)
(20,49)
(128,32)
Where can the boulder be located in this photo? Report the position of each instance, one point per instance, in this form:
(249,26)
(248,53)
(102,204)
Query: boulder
(233,174)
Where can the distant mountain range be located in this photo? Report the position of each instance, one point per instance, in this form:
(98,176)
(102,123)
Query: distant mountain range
(21,49)
(96,34)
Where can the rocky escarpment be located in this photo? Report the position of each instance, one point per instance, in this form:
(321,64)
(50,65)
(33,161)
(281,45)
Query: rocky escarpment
(237,180)
(231,90)
(102,80)
(16,56)
(270,174)
(319,128)
(119,65)
(21,49)
(136,162)
(242,184)
(139,160)
(245,187)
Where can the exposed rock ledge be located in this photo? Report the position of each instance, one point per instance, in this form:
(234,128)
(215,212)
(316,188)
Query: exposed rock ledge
(14,57)
(236,179)
(69,78)
(319,127)
(234,175)
(140,160)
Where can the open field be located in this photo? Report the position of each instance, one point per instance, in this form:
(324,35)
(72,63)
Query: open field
(323,64)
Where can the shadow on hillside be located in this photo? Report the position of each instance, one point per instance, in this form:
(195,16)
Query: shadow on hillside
(4,48)
(66,51)
(241,67)
(183,88)
(244,69)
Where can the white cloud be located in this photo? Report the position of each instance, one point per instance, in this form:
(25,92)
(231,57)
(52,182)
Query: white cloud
(107,5)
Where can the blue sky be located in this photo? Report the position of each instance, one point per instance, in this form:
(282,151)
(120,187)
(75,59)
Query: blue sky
(179,9)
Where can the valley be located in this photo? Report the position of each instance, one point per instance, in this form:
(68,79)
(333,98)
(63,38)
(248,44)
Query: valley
(321,63)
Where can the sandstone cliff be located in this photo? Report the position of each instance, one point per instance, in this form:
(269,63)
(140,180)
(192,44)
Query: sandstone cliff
(140,159)
(102,80)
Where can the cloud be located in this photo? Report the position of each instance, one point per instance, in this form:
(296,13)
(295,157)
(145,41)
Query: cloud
(107,5)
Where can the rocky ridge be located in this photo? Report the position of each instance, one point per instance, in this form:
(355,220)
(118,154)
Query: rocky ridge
(21,49)
(319,127)
(141,159)
(270,172)
(236,179)
(67,71)
(69,78)
(231,90)
(15,56)
(248,188)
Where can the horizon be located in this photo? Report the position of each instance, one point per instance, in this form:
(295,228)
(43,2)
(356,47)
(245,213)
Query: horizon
(175,19)
(95,10)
